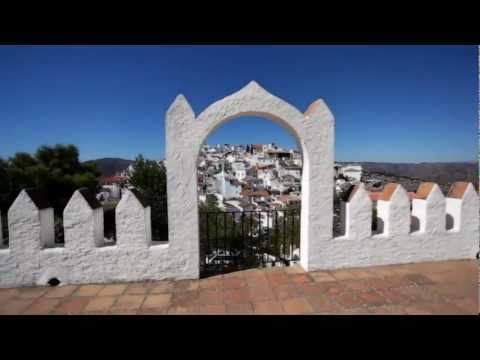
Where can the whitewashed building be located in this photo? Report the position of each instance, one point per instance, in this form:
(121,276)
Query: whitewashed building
(353,172)
(228,187)
(239,170)
(266,174)
(294,171)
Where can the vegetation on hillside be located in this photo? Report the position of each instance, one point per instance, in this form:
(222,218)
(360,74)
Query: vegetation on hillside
(54,169)
(240,234)
(150,179)
(110,166)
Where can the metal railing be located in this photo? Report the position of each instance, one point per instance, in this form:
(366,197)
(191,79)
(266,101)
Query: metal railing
(236,240)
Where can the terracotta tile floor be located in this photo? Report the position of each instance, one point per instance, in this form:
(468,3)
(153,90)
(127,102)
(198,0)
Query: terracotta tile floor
(448,287)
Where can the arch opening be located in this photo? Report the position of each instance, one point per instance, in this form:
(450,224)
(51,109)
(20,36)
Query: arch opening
(249,186)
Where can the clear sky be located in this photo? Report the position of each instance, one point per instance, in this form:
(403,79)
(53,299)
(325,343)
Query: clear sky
(391,103)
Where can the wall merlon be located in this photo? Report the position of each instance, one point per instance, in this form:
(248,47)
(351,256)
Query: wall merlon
(358,212)
(429,208)
(393,211)
(133,221)
(30,222)
(83,222)
(462,207)
(179,113)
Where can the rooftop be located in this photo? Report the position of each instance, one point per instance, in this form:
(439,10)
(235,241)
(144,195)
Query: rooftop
(446,287)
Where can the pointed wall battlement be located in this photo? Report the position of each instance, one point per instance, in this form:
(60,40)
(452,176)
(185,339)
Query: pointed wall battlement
(32,257)
(436,227)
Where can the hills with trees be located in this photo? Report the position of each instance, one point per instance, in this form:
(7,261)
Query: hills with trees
(55,169)
(150,179)
(438,172)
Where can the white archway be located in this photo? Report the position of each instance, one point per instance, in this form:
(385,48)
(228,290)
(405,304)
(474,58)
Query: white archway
(313,131)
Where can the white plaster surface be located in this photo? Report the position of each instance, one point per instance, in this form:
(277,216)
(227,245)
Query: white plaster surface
(83,226)
(133,222)
(469,214)
(358,224)
(26,262)
(433,244)
(431,211)
(453,210)
(464,211)
(387,250)
(395,213)
(82,260)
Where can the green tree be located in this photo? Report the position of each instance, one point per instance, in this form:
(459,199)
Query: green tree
(149,178)
(56,169)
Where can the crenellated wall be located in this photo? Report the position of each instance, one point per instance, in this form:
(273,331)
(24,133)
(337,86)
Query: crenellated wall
(428,239)
(32,259)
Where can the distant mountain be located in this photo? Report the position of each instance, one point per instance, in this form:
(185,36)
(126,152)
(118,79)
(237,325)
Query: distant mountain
(111,166)
(447,172)
(441,173)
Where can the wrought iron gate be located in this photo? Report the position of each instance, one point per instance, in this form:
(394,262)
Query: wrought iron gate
(231,241)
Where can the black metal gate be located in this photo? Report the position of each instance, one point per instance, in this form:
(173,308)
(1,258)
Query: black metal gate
(232,241)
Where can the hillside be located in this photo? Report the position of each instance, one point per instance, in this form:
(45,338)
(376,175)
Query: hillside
(443,173)
(110,166)
(437,172)
(412,174)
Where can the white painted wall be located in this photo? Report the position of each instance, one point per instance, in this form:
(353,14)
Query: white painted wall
(134,258)
(395,213)
(266,175)
(358,222)
(226,188)
(83,226)
(360,249)
(240,174)
(464,210)
(84,259)
(431,211)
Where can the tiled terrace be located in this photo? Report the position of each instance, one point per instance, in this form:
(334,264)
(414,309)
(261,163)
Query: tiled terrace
(449,287)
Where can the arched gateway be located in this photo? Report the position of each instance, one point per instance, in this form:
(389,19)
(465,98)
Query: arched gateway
(314,133)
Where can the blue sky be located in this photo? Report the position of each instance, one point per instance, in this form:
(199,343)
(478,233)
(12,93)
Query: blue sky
(391,103)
